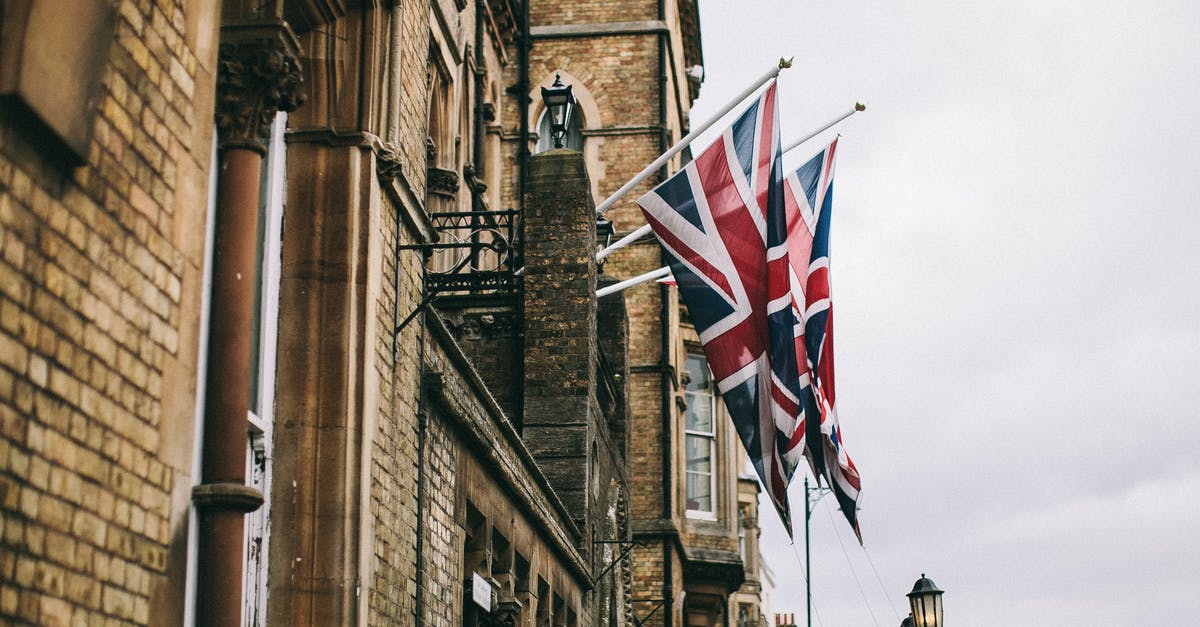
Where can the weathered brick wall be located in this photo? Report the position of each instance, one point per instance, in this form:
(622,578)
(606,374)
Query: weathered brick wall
(622,73)
(99,298)
(649,573)
(489,335)
(393,450)
(393,466)
(443,544)
(591,12)
(413,94)
(560,325)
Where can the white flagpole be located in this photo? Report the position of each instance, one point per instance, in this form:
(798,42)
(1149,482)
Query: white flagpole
(645,229)
(681,144)
(858,106)
(623,242)
(637,280)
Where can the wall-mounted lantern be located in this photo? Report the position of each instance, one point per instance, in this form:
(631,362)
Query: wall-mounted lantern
(559,103)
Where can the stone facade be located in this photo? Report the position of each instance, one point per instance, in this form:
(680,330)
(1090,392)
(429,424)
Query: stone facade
(412,390)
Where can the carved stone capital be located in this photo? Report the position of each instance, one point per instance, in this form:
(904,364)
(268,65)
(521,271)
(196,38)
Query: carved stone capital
(388,164)
(256,78)
(481,325)
(443,182)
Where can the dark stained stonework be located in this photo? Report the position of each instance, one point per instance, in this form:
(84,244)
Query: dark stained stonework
(256,78)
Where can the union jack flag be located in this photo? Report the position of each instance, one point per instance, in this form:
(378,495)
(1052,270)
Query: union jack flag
(722,224)
(808,197)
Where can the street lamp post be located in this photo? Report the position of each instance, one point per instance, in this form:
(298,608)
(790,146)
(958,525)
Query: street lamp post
(925,602)
(559,103)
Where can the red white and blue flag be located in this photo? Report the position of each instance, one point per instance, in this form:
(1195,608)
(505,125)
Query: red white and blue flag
(808,196)
(723,226)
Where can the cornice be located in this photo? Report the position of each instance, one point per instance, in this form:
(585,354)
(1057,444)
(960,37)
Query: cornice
(566,31)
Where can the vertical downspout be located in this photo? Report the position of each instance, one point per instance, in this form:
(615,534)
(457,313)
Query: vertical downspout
(421,428)
(393,138)
(477,166)
(667,372)
(223,498)
(256,77)
(477,153)
(524,46)
(522,89)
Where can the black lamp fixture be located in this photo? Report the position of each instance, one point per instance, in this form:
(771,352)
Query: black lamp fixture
(925,601)
(604,231)
(559,103)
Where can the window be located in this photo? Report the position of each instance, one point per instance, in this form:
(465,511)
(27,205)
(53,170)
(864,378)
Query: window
(744,614)
(264,338)
(700,439)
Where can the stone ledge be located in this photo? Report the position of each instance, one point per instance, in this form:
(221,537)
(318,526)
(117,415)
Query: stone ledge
(230,496)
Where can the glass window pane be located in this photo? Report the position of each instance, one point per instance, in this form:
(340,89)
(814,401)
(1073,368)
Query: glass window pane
(697,368)
(699,412)
(699,491)
(699,454)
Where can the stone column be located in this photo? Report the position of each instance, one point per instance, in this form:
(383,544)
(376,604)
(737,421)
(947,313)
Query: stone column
(560,325)
(257,76)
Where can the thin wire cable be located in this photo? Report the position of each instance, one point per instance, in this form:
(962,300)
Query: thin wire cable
(858,583)
(800,561)
(880,580)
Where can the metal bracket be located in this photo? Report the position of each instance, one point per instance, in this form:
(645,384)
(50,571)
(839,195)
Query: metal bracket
(413,314)
(487,259)
(626,549)
(820,491)
(482,247)
(659,603)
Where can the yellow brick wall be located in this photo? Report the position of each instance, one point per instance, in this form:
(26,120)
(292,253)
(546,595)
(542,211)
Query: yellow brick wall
(99,282)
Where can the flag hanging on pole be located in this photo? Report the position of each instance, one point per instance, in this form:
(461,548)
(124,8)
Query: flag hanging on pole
(808,197)
(722,224)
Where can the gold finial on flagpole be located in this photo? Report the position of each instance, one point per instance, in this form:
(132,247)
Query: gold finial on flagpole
(785,63)
(860,106)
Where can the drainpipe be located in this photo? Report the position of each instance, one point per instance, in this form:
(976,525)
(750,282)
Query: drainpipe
(477,154)
(522,94)
(525,45)
(477,162)
(668,373)
(422,426)
(246,106)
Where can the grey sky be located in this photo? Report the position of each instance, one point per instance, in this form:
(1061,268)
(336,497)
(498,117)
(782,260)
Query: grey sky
(1015,269)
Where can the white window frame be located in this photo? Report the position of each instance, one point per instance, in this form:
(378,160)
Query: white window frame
(261,419)
(189,598)
(709,397)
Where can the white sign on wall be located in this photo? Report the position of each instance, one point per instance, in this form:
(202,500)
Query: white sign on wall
(481,592)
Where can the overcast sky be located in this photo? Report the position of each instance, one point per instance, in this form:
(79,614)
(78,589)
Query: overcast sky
(1016,280)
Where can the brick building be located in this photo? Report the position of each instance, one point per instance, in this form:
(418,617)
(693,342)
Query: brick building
(274,348)
(636,67)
